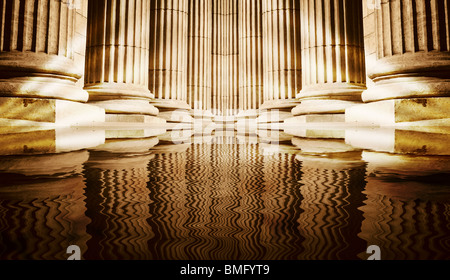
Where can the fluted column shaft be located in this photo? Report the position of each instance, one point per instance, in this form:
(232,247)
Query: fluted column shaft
(282,57)
(225,55)
(199,55)
(169,50)
(37,41)
(250,55)
(411,57)
(117,56)
(332,49)
(333,61)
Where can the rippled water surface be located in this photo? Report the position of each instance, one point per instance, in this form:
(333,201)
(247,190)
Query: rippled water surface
(224,199)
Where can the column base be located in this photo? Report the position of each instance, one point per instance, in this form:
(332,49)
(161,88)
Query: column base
(49,141)
(40,75)
(319,106)
(133,133)
(127,106)
(174,111)
(410,75)
(397,111)
(53,111)
(273,116)
(42,87)
(285,104)
(276,111)
(391,140)
(133,119)
(273,136)
(326,126)
(176,116)
(407,87)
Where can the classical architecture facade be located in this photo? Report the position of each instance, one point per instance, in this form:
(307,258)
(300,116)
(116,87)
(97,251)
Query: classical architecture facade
(361,62)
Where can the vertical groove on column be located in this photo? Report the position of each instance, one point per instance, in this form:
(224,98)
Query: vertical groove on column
(250,55)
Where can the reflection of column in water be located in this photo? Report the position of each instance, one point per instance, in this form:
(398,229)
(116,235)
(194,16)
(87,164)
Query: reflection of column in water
(281,207)
(251,180)
(407,207)
(213,203)
(118,204)
(223,198)
(42,209)
(203,227)
(168,196)
(331,221)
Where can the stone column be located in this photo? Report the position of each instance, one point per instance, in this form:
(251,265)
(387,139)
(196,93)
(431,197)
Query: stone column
(168,58)
(408,60)
(39,46)
(250,58)
(282,58)
(199,57)
(333,61)
(225,59)
(117,57)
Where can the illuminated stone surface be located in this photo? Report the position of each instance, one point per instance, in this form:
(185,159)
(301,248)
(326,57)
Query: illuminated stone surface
(229,62)
(133,133)
(59,112)
(391,140)
(395,111)
(51,141)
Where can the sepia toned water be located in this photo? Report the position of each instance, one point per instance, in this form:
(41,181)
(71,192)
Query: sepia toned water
(224,198)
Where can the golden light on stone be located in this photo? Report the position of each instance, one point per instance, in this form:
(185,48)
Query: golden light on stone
(224,129)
